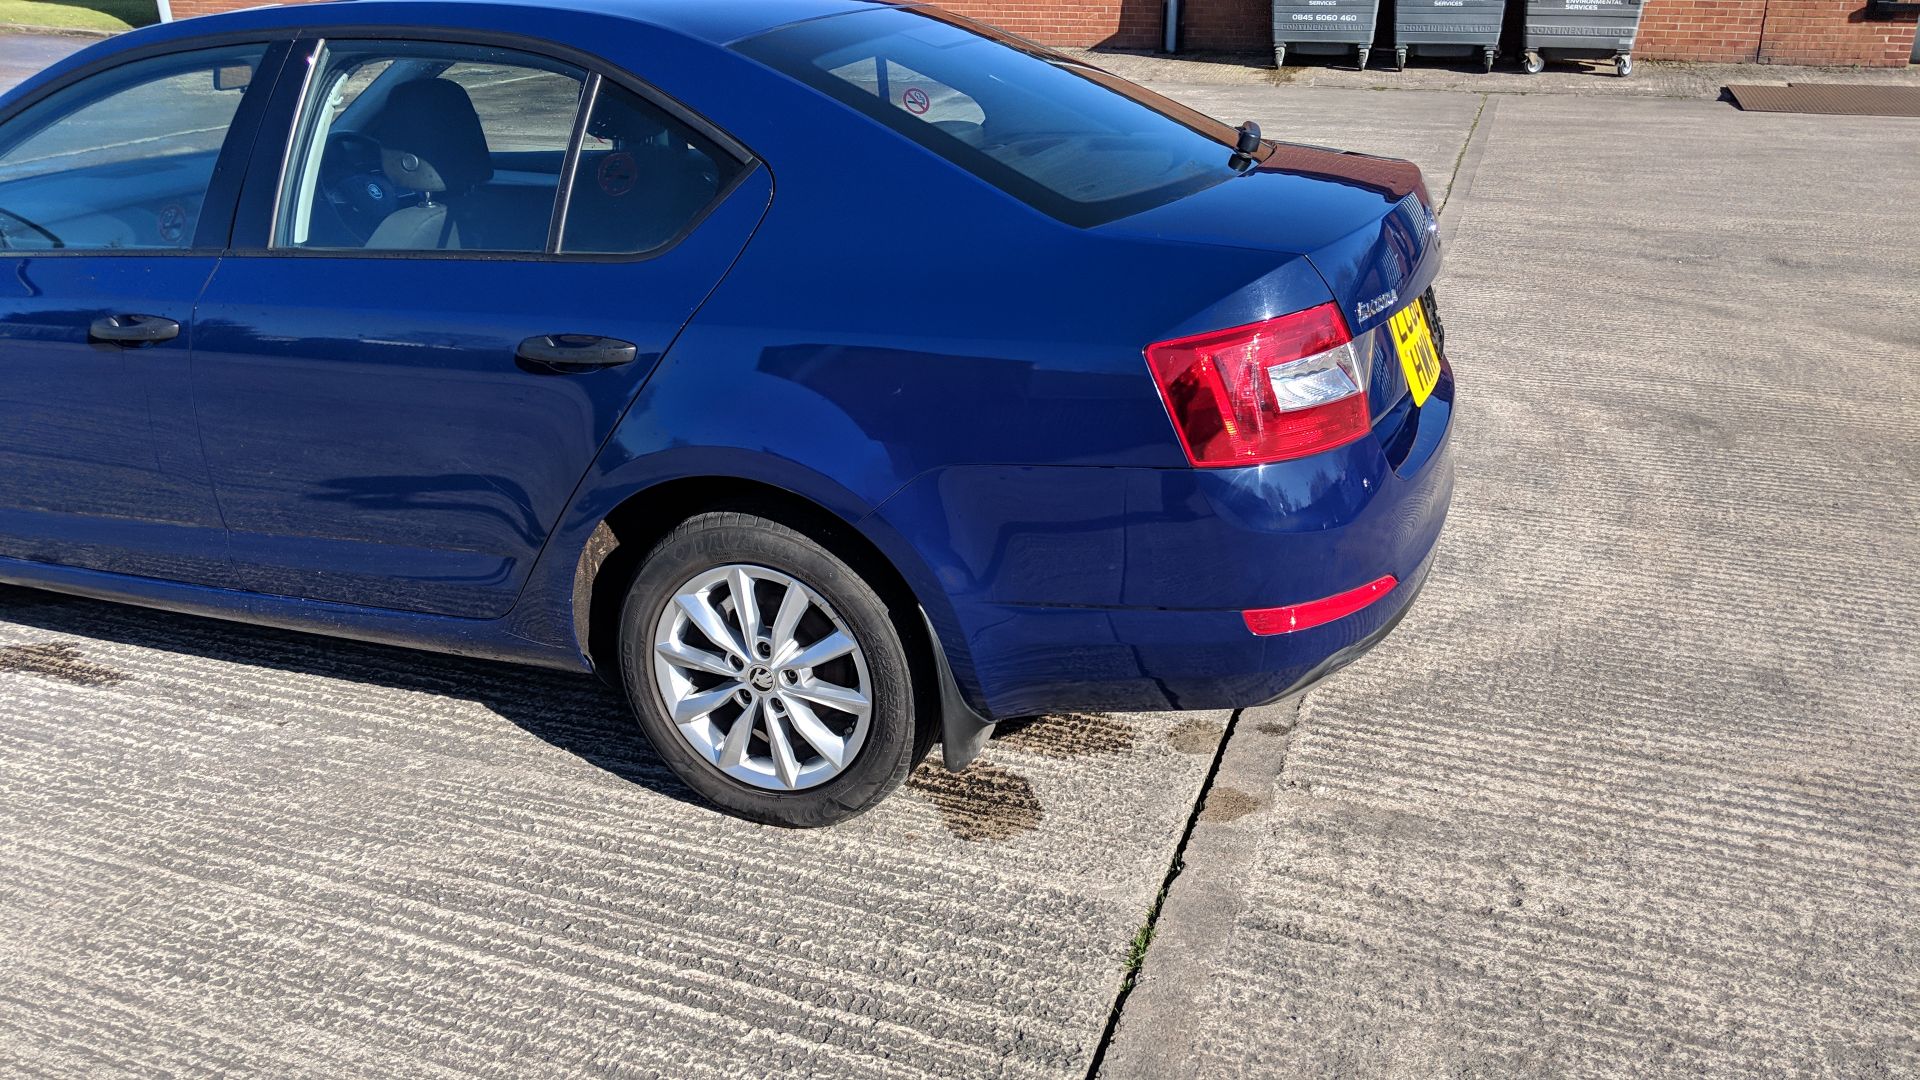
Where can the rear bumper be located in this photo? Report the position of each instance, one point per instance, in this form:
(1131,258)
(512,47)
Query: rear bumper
(1400,601)
(1123,589)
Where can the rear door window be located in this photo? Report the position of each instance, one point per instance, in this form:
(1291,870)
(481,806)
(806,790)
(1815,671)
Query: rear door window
(1075,142)
(419,147)
(414,147)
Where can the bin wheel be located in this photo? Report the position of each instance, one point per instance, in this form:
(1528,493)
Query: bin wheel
(1363,51)
(1533,64)
(1279,56)
(1623,64)
(1489,61)
(1400,58)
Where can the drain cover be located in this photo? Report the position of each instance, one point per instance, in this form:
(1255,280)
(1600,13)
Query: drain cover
(1840,99)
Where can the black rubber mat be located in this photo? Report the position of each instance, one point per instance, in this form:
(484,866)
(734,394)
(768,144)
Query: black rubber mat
(1839,99)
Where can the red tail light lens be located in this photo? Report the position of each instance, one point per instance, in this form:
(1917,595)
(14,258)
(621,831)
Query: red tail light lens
(1273,391)
(1286,620)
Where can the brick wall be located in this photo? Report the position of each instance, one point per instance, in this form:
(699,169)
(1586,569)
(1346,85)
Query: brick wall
(1118,24)
(1726,31)
(1773,32)
(1832,32)
(1227,25)
(187,8)
(1722,31)
(1214,25)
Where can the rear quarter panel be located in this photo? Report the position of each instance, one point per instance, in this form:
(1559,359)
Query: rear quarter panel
(894,316)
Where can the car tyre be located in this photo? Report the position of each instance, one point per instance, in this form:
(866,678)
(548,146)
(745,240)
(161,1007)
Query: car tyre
(749,775)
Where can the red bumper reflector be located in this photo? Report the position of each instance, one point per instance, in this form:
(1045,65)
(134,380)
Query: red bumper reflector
(1286,620)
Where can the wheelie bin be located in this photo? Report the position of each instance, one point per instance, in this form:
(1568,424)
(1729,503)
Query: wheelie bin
(1323,27)
(1447,28)
(1580,30)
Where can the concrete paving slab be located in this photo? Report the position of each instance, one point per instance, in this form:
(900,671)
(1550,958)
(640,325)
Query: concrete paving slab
(237,851)
(1634,789)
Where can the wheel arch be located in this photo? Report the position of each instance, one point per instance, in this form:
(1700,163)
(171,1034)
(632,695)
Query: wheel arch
(622,539)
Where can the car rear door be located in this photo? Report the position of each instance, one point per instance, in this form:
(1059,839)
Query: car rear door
(397,404)
(117,189)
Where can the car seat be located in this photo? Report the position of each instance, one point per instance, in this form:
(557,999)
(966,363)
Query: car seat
(431,141)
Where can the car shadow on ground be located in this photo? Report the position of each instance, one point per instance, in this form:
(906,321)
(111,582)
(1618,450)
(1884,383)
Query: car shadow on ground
(575,713)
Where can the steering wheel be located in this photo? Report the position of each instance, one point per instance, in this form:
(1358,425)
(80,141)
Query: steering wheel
(354,185)
(7,234)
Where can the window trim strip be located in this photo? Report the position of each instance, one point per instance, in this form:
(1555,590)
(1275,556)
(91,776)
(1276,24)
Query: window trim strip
(570,166)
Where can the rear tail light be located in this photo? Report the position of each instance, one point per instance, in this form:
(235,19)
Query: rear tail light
(1273,391)
(1286,620)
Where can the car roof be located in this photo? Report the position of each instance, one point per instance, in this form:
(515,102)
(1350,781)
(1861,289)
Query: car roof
(719,22)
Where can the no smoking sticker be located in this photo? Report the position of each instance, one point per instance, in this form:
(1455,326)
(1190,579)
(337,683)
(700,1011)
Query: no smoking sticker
(916,101)
(618,173)
(173,222)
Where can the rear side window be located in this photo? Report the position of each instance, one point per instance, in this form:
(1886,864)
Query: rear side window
(643,177)
(1074,142)
(122,160)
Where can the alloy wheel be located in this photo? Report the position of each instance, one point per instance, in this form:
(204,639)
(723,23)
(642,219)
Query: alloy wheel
(762,678)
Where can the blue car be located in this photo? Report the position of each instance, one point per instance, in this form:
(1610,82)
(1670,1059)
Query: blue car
(835,377)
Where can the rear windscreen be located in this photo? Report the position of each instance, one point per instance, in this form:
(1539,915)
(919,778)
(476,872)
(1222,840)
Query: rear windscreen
(1074,142)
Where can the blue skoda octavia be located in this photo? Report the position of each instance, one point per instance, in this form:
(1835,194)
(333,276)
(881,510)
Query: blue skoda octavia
(837,377)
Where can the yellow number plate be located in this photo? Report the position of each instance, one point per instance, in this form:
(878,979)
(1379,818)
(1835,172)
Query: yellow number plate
(1414,340)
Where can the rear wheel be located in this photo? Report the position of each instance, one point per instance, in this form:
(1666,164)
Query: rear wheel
(767,673)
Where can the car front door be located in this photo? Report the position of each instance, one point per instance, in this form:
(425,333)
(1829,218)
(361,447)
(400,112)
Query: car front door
(117,191)
(471,261)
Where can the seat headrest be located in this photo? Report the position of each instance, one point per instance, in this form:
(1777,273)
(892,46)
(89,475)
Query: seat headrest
(430,137)
(618,116)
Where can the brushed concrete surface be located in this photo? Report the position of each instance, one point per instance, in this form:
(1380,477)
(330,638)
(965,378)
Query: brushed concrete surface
(233,851)
(1636,788)
(1632,791)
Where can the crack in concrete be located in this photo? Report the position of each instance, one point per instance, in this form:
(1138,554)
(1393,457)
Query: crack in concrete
(1465,165)
(1143,938)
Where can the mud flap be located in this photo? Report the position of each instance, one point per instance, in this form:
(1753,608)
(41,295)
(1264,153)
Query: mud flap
(963,732)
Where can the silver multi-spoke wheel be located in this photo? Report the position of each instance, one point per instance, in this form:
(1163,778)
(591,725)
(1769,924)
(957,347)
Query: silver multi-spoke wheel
(769,672)
(762,678)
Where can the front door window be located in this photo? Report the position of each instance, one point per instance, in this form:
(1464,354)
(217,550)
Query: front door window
(122,161)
